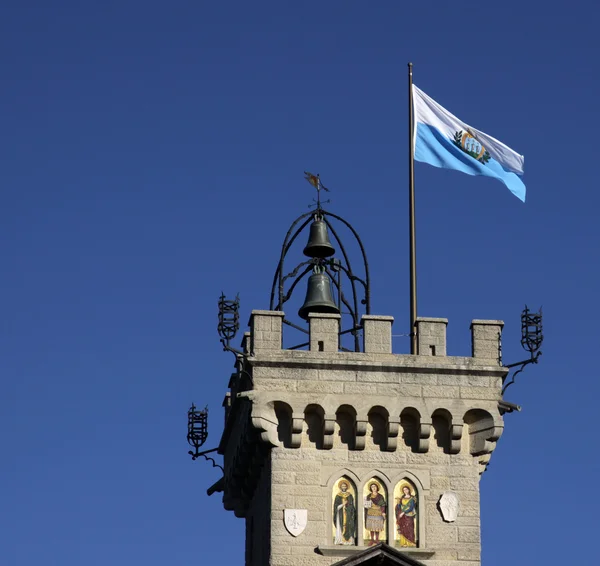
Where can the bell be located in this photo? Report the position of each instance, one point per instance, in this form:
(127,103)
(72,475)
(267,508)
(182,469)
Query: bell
(318,296)
(318,241)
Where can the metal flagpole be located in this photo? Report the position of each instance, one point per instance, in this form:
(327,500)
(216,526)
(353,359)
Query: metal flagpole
(411,218)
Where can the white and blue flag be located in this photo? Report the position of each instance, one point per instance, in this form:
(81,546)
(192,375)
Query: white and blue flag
(442,140)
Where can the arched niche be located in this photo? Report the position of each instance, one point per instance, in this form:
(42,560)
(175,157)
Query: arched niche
(313,431)
(407,514)
(345,418)
(378,419)
(375,505)
(410,420)
(344,507)
(441,423)
(283,413)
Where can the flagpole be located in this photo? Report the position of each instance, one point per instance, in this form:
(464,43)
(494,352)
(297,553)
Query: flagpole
(411,218)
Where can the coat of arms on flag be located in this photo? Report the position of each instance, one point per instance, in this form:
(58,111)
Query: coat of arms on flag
(468,142)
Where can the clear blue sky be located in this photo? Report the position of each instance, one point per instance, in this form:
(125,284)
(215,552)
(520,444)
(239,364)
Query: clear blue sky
(151,155)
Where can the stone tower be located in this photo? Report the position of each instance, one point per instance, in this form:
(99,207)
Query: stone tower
(328,453)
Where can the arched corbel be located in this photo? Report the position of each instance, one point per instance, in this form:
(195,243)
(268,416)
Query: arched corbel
(263,419)
(392,434)
(297,426)
(484,432)
(456,431)
(360,429)
(484,436)
(424,436)
(328,430)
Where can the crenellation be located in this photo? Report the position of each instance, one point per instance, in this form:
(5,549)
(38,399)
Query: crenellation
(324,332)
(377,334)
(431,336)
(486,336)
(266,331)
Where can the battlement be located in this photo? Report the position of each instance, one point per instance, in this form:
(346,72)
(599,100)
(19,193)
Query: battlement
(288,383)
(266,335)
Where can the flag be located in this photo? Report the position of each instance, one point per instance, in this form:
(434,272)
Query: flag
(315,181)
(312,179)
(442,140)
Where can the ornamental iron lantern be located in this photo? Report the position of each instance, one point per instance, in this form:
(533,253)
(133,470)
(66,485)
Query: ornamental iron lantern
(532,338)
(229,319)
(198,433)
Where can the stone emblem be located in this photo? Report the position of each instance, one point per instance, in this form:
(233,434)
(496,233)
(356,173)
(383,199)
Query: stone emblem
(295,520)
(449,505)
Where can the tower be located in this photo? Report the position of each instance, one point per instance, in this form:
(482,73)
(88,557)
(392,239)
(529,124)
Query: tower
(337,456)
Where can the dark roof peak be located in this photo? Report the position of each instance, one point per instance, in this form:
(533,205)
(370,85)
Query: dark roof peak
(379,555)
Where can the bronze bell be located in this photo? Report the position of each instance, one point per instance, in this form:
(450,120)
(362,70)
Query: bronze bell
(318,241)
(318,296)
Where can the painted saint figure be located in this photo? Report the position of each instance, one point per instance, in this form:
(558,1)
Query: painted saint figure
(375,509)
(344,515)
(406,512)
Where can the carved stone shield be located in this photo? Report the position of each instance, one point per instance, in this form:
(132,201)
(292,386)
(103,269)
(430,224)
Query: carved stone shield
(295,520)
(449,505)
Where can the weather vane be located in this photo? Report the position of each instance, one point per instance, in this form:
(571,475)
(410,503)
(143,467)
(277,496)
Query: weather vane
(315,181)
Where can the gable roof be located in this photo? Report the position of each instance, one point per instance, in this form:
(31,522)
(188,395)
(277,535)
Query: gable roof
(381,555)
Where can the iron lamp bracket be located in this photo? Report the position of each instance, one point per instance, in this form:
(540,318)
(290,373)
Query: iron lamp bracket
(532,338)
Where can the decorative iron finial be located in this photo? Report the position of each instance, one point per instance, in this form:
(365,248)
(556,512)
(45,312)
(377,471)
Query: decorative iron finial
(531,341)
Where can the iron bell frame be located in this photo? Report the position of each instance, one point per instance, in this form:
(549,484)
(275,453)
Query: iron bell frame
(337,270)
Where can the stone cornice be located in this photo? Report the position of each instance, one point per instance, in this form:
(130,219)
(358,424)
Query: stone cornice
(377,362)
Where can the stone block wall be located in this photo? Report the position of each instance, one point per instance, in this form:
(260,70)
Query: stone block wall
(302,479)
(321,415)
